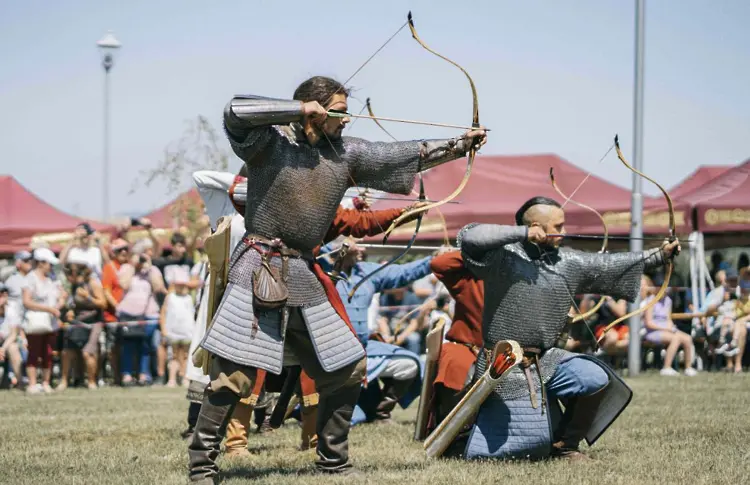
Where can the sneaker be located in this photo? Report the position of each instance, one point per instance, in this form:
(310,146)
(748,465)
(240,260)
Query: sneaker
(668,371)
(47,388)
(721,350)
(690,372)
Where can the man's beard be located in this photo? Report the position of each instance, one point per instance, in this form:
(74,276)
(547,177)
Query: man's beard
(336,135)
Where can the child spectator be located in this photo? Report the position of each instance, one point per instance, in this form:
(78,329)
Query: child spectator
(176,322)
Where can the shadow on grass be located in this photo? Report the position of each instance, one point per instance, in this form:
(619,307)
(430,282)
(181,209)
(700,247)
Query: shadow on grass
(257,473)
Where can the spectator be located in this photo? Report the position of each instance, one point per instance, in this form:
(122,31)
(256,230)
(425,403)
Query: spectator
(141,282)
(14,285)
(743,262)
(42,299)
(83,312)
(406,333)
(86,246)
(113,293)
(741,316)
(661,330)
(176,262)
(177,321)
(726,282)
(10,352)
(615,341)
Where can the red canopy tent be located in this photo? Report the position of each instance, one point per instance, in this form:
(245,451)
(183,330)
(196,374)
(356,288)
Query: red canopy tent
(500,184)
(172,215)
(23,215)
(722,204)
(701,176)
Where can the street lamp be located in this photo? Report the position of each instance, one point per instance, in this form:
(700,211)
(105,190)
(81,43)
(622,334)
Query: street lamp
(108,45)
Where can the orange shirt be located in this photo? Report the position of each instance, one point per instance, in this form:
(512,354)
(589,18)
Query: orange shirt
(112,283)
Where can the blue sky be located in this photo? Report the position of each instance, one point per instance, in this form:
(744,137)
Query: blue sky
(552,76)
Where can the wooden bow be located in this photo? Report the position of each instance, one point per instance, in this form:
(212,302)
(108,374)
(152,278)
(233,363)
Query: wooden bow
(670,265)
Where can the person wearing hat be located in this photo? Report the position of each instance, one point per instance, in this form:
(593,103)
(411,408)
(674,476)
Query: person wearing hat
(42,299)
(176,322)
(86,245)
(83,315)
(113,293)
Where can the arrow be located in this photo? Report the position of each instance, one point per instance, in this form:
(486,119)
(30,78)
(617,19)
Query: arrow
(344,114)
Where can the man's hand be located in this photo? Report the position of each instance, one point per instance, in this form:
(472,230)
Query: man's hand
(479,137)
(537,235)
(412,207)
(55,312)
(314,111)
(671,249)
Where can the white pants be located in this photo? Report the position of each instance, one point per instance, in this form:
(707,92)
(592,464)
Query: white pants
(400,369)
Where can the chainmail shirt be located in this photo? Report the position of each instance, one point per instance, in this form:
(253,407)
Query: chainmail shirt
(529,291)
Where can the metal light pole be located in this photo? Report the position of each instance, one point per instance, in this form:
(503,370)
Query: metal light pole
(107,46)
(636,209)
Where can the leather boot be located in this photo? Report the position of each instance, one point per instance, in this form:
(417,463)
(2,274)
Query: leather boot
(334,418)
(237,430)
(393,390)
(210,429)
(309,424)
(579,415)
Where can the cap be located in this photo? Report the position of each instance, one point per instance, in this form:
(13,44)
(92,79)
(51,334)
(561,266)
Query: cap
(76,258)
(46,255)
(731,273)
(119,244)
(22,256)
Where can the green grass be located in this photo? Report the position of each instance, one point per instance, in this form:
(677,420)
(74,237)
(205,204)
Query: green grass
(676,430)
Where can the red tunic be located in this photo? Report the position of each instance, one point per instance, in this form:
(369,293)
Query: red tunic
(347,222)
(465,334)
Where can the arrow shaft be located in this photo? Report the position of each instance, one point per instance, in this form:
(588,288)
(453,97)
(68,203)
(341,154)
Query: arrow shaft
(620,238)
(405,200)
(336,114)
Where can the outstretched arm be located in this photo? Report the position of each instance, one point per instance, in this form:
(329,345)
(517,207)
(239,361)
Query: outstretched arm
(392,166)
(617,275)
(400,275)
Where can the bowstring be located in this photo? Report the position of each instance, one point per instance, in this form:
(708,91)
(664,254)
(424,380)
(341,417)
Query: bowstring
(588,175)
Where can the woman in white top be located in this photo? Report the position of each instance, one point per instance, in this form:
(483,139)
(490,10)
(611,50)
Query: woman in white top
(42,299)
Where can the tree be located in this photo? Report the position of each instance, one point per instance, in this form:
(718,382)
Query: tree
(197,149)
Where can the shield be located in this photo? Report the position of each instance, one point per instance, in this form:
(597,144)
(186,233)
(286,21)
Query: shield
(218,251)
(434,343)
(506,355)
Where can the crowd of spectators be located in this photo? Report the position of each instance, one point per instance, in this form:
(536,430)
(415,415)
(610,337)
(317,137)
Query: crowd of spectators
(117,312)
(123,314)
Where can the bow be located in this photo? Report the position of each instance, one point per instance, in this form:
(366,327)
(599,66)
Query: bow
(595,308)
(472,151)
(670,265)
(422,196)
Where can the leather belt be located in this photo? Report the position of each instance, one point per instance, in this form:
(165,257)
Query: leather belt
(530,356)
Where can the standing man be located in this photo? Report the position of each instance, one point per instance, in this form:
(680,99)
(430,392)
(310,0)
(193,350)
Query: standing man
(279,308)
(529,282)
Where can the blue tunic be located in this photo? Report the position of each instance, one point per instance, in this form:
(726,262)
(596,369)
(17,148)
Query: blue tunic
(378,353)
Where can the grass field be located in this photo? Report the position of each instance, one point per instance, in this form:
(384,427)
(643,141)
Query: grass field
(676,430)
